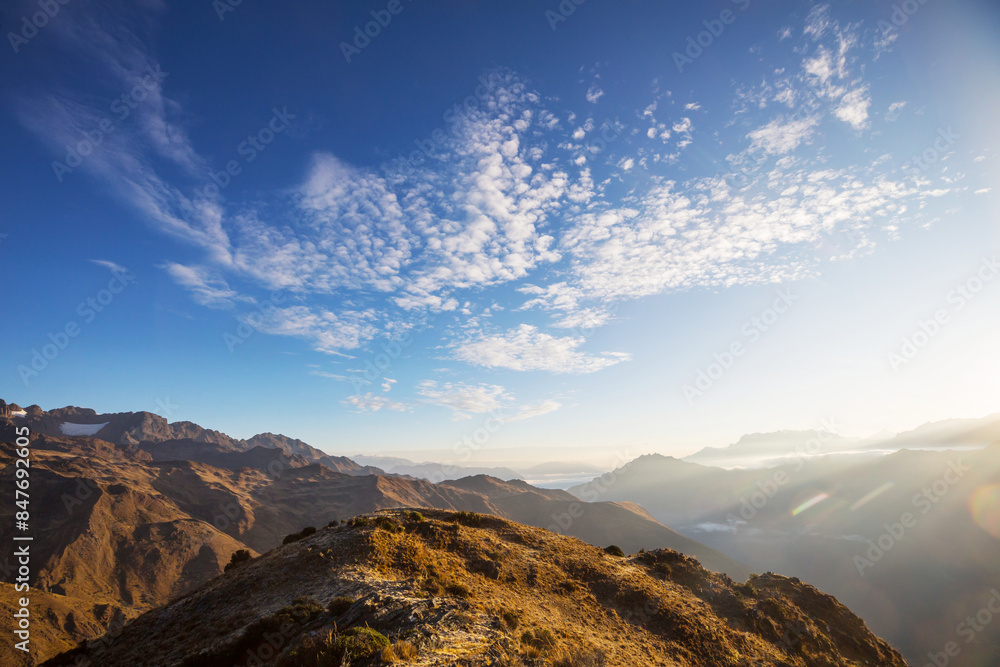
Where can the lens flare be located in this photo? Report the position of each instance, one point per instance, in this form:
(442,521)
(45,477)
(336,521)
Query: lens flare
(984,504)
(815,500)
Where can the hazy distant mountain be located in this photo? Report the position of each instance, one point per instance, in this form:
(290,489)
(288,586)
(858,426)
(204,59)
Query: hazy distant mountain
(758,450)
(434,472)
(763,449)
(947,433)
(561,468)
(383,462)
(829,521)
(442,471)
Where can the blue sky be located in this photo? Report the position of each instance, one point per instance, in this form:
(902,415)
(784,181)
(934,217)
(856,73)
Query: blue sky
(561,234)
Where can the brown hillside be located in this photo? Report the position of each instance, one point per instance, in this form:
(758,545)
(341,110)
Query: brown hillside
(464,589)
(133,534)
(62,619)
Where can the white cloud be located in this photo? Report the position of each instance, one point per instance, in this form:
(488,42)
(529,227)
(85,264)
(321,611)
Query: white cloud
(692,106)
(469,218)
(506,193)
(707,233)
(894,109)
(110,266)
(373,403)
(206,288)
(331,376)
(528,349)
(325,330)
(535,410)
(984,191)
(584,318)
(818,21)
(463,399)
(853,108)
(779,137)
(821,66)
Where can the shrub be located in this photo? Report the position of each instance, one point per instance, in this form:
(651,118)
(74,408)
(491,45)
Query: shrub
(539,638)
(360,643)
(569,586)
(328,649)
(388,525)
(433,586)
(295,537)
(510,619)
(339,605)
(238,558)
(461,590)
(332,523)
(614,550)
(416,516)
(468,518)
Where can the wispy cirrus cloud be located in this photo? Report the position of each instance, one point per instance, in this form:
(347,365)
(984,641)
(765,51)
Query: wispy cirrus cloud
(145,130)
(114,267)
(206,288)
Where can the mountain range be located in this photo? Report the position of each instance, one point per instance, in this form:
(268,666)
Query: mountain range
(139,512)
(142,516)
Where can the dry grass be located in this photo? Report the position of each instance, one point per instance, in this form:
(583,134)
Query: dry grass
(506,594)
(401,650)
